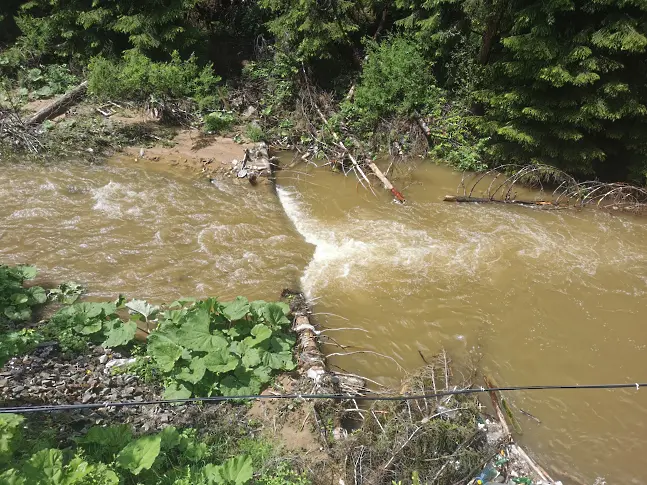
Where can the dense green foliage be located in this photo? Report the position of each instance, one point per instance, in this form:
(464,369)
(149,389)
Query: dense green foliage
(16,308)
(199,348)
(498,81)
(396,79)
(194,347)
(16,301)
(111,455)
(78,29)
(137,77)
(567,87)
(230,348)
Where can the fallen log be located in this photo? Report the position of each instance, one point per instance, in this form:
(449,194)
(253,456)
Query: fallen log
(59,106)
(464,198)
(385,181)
(497,409)
(496,403)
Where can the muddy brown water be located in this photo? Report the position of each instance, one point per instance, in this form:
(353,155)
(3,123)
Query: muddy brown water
(534,297)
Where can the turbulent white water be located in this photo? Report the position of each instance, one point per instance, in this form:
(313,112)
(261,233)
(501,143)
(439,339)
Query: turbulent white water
(535,297)
(147,232)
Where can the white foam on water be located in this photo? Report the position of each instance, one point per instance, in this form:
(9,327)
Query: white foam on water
(49,186)
(358,249)
(115,199)
(31,213)
(350,253)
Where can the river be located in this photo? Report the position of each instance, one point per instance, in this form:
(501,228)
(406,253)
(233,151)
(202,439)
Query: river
(533,297)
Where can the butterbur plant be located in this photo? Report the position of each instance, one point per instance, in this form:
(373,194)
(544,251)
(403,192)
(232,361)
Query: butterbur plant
(231,348)
(66,293)
(16,301)
(112,455)
(94,322)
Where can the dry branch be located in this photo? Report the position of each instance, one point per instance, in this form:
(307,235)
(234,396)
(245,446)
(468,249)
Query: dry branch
(499,185)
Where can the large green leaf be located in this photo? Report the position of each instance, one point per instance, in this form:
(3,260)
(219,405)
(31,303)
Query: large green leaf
(170,437)
(259,334)
(89,327)
(163,350)
(175,390)
(263,374)
(106,441)
(108,436)
(277,360)
(27,272)
(38,294)
(276,314)
(46,467)
(140,454)
(118,333)
(9,429)
(195,334)
(210,305)
(251,358)
(221,361)
(11,477)
(19,298)
(235,471)
(235,310)
(194,372)
(256,308)
(174,316)
(17,314)
(282,342)
(143,308)
(242,384)
(240,329)
(91,310)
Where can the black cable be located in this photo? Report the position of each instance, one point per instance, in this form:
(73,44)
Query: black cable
(357,397)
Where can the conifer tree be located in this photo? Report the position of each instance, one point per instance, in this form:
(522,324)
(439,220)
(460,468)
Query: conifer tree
(566,86)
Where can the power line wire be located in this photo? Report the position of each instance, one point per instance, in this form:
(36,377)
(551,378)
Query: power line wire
(357,397)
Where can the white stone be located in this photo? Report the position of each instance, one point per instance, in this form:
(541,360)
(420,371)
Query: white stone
(118,363)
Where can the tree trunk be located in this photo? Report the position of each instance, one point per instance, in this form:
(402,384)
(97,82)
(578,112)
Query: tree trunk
(492,30)
(382,24)
(60,106)
(464,198)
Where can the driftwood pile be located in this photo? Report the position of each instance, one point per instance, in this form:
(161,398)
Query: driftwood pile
(557,190)
(23,133)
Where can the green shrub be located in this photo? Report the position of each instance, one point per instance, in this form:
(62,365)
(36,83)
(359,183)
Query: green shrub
(284,475)
(276,78)
(16,301)
(229,348)
(218,121)
(47,81)
(111,455)
(136,77)
(396,80)
(397,84)
(254,132)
